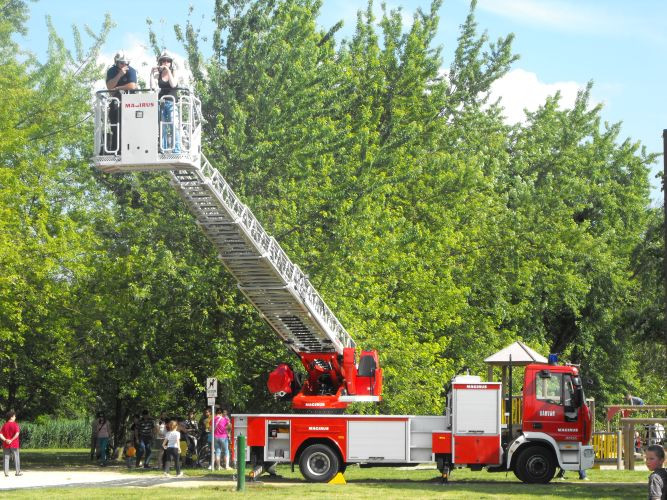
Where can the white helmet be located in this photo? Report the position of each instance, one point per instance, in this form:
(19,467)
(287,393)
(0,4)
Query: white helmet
(165,55)
(121,58)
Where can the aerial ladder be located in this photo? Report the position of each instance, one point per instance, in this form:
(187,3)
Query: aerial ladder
(144,139)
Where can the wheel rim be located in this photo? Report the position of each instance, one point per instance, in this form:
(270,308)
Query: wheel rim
(537,466)
(318,463)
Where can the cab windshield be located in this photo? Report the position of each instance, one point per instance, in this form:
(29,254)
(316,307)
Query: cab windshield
(549,389)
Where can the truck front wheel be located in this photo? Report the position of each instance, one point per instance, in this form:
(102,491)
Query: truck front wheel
(535,465)
(319,463)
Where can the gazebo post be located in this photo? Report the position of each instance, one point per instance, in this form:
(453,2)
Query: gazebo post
(489,373)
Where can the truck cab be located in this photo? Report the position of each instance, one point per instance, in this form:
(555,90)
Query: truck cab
(553,403)
(556,426)
(554,430)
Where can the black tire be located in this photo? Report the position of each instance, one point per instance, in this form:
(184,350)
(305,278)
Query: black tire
(342,468)
(517,473)
(535,465)
(319,463)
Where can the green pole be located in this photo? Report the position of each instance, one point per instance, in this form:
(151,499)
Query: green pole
(240,463)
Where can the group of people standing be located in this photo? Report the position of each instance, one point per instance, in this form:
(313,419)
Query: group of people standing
(165,435)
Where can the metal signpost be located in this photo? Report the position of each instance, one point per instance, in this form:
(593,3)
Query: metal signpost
(211,394)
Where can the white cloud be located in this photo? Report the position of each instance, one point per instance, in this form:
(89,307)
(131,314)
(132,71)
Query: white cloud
(520,89)
(554,13)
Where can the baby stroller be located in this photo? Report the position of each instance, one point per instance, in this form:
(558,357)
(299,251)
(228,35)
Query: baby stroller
(189,450)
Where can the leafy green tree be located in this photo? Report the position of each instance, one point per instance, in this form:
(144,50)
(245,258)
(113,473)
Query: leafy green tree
(581,203)
(43,199)
(345,156)
(436,232)
(645,320)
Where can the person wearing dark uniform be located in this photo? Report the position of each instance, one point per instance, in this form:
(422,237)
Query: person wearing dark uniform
(120,76)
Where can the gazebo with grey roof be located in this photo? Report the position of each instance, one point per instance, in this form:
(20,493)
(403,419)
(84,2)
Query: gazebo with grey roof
(516,354)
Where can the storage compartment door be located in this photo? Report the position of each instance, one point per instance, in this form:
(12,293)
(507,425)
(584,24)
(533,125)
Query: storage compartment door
(278,440)
(477,411)
(441,442)
(377,441)
(477,450)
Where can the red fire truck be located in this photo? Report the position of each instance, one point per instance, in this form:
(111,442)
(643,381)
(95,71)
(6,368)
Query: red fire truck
(555,431)
(131,135)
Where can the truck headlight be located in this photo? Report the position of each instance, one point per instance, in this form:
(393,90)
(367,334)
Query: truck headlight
(588,452)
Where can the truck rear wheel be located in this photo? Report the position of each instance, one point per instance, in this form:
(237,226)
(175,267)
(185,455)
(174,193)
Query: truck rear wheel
(319,463)
(535,465)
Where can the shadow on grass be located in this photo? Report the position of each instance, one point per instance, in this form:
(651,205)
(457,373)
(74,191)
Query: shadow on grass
(511,489)
(57,459)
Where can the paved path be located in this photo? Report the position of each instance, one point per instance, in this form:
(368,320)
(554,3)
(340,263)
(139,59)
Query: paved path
(52,478)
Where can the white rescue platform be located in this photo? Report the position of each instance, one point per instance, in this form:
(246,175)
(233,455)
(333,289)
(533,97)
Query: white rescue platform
(137,132)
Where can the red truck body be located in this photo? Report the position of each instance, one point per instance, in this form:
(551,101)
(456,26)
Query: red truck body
(555,430)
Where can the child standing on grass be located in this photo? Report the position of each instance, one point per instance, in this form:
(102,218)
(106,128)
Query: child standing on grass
(657,481)
(9,433)
(129,452)
(172,449)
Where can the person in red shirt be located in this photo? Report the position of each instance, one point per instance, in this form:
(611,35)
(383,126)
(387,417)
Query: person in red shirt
(9,433)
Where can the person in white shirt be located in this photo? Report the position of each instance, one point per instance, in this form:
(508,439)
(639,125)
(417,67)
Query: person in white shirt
(171,446)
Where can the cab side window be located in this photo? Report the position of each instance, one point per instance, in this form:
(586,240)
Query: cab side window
(549,389)
(568,391)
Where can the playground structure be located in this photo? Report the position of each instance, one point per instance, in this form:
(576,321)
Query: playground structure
(622,441)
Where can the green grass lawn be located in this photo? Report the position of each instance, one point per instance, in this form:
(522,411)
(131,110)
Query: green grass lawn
(375,483)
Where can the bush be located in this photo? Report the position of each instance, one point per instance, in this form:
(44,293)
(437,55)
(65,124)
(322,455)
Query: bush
(56,433)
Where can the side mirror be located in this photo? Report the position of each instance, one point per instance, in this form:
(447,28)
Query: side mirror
(578,397)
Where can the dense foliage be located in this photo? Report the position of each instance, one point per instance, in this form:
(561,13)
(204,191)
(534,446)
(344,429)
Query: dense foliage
(436,232)
(56,433)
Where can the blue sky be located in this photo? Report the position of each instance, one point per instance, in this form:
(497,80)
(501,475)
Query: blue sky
(618,44)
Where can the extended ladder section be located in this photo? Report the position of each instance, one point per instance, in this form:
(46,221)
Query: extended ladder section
(137,132)
(279,290)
